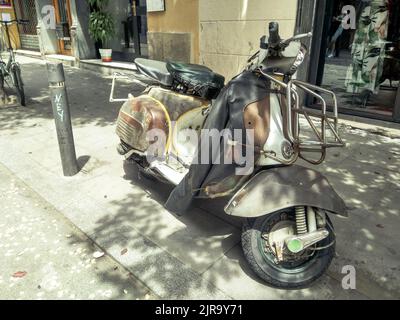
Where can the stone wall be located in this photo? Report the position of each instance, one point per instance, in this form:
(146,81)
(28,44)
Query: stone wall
(230,30)
(174,33)
(173,46)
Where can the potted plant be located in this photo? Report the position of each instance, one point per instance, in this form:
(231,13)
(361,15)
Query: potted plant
(101,27)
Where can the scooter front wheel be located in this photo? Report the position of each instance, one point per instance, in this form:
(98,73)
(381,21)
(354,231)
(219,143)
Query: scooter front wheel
(277,266)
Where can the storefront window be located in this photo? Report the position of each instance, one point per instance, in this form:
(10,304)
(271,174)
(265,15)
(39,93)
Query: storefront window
(362,64)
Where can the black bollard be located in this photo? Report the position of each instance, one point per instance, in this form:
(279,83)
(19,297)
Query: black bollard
(62,117)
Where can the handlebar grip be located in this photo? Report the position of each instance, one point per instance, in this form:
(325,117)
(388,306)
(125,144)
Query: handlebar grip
(274,37)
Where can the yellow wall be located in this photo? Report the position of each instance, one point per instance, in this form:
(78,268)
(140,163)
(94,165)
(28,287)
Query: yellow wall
(180,16)
(14,34)
(224,32)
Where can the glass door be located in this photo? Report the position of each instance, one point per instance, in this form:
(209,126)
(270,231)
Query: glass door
(138,26)
(64,22)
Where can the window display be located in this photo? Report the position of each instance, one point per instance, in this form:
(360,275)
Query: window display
(363,64)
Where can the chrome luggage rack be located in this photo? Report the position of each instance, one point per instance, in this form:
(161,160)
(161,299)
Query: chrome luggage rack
(122,76)
(328,122)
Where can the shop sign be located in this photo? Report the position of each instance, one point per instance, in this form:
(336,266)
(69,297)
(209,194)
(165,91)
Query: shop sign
(155,5)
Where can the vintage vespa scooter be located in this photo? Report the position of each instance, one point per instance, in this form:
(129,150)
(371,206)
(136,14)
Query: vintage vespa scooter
(287,238)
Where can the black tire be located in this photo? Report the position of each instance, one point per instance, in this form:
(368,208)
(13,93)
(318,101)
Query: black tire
(282,276)
(19,85)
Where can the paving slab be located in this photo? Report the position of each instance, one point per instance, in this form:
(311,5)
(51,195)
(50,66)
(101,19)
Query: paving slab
(370,247)
(165,275)
(241,283)
(44,256)
(198,238)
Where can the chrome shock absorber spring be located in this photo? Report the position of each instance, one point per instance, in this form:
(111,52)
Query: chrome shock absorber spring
(301,223)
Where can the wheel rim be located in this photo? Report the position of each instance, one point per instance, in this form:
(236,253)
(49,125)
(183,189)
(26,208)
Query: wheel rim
(298,263)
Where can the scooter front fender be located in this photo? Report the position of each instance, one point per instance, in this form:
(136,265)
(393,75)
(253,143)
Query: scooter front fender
(283,187)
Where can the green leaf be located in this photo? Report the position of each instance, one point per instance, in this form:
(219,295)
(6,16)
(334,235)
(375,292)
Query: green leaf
(101,23)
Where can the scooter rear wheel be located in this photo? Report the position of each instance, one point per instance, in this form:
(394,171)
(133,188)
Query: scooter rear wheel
(295,271)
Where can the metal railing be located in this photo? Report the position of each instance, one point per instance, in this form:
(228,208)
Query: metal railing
(122,76)
(328,122)
(26,10)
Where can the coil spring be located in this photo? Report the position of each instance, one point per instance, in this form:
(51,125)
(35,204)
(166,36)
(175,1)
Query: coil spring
(301,223)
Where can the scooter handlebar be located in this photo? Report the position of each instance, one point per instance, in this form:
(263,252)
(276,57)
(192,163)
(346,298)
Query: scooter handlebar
(275,41)
(274,38)
(297,37)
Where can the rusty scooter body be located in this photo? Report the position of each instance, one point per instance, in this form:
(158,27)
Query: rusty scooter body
(287,238)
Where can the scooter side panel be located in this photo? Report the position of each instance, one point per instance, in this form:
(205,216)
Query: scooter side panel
(284,187)
(177,104)
(186,133)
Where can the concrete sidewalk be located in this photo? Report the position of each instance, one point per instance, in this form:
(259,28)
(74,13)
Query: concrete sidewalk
(197,255)
(44,256)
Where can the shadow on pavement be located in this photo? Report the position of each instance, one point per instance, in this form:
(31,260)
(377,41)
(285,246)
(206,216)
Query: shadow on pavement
(365,174)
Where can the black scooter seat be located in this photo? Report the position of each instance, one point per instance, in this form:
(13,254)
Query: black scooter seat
(185,73)
(156,70)
(197,77)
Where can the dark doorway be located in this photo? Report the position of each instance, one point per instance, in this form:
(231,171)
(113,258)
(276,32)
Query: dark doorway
(133,31)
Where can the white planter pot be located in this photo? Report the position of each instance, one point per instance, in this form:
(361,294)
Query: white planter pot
(106,55)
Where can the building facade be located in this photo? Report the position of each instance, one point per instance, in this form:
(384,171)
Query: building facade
(217,33)
(62,27)
(361,63)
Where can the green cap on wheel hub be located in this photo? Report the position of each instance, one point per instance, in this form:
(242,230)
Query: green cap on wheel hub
(294,245)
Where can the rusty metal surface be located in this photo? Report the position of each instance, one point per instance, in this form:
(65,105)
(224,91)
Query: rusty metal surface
(153,110)
(256,117)
(176,104)
(138,116)
(223,188)
(285,187)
